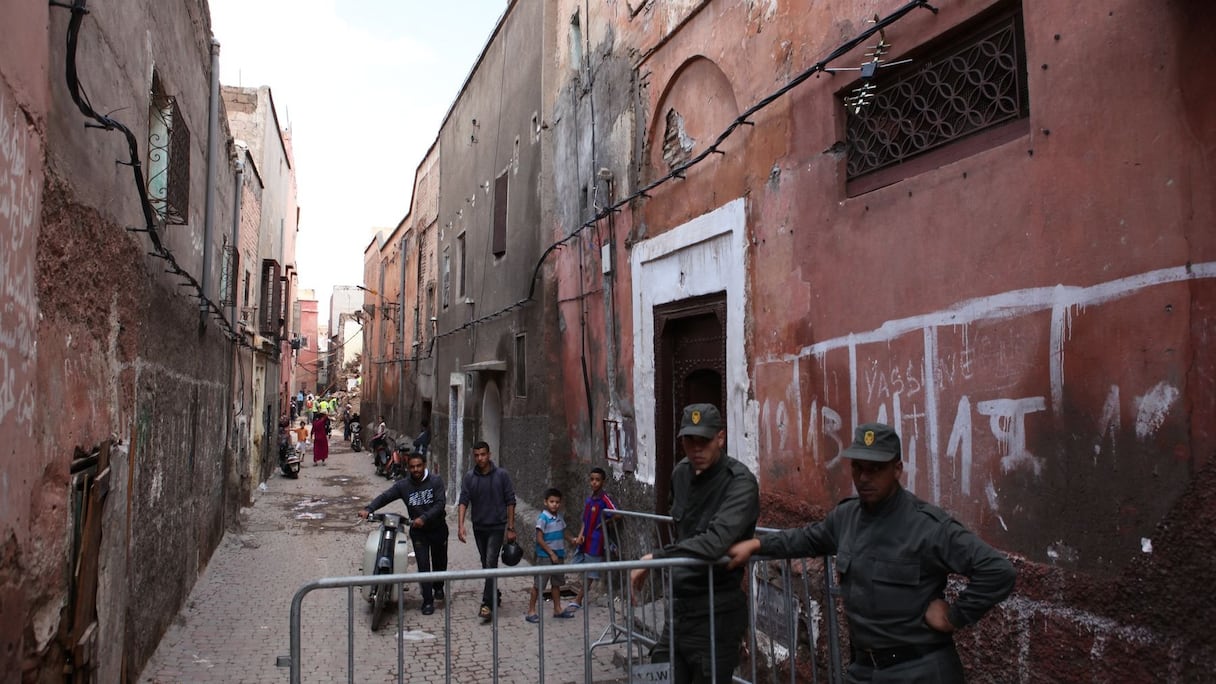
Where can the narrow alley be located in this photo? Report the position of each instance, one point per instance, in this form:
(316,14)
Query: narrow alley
(563,229)
(234,625)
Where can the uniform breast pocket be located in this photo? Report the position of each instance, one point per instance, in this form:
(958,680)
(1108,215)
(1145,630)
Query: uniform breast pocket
(895,586)
(848,588)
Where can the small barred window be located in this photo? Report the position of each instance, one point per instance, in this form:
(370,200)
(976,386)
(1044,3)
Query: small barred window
(963,86)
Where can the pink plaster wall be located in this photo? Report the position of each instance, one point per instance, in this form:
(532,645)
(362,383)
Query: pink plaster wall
(308,358)
(23,108)
(1035,318)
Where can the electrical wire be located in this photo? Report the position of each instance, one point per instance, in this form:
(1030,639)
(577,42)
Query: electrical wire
(160,251)
(678,173)
(741,120)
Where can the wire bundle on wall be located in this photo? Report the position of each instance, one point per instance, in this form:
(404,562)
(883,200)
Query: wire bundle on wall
(107,123)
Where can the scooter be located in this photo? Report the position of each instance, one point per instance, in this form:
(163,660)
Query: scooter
(356,436)
(289,459)
(385,553)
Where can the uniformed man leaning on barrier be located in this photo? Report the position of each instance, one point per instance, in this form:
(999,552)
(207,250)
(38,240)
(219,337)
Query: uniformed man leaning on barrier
(715,503)
(893,552)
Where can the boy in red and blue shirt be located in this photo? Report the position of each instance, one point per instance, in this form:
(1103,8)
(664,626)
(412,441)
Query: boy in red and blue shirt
(590,541)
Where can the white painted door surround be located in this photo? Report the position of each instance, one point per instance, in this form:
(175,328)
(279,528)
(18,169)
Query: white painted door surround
(705,255)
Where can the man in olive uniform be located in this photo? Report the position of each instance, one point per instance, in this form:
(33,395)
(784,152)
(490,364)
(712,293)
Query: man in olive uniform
(894,552)
(715,503)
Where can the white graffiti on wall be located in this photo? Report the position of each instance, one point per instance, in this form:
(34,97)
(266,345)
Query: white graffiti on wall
(907,391)
(19,201)
(1152,408)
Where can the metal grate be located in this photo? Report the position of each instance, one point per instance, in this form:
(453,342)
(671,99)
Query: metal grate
(271,294)
(168,158)
(948,94)
(229,268)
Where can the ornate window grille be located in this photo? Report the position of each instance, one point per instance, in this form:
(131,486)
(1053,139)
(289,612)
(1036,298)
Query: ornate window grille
(168,158)
(960,87)
(228,275)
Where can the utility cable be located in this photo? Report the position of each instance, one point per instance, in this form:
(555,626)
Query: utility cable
(679,172)
(81,98)
(741,120)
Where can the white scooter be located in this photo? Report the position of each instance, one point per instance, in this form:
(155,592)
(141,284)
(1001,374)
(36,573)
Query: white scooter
(385,553)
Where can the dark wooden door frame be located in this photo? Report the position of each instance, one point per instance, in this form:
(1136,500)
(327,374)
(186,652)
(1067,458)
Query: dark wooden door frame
(671,374)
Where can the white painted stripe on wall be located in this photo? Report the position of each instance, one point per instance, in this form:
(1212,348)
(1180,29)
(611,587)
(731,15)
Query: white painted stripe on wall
(1006,305)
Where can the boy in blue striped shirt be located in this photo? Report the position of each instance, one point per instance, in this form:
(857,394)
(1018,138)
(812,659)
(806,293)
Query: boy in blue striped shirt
(550,550)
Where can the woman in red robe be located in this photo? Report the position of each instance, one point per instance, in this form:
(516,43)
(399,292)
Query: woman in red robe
(320,440)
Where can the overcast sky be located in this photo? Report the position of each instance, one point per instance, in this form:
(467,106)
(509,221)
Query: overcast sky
(364,86)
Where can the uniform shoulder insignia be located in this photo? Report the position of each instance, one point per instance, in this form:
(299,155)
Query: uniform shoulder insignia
(933,511)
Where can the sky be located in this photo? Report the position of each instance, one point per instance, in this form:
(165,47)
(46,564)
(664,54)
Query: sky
(364,86)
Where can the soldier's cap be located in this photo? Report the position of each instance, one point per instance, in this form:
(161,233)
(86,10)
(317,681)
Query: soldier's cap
(701,420)
(874,442)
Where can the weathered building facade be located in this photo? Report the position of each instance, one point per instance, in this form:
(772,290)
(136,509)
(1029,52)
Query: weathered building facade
(119,338)
(987,223)
(401,316)
(307,362)
(263,260)
(495,321)
(980,246)
(345,334)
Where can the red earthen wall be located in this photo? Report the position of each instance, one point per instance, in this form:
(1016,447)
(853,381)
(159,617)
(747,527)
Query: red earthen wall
(1036,318)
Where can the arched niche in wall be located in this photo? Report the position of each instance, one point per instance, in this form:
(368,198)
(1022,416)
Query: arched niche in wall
(491,418)
(697,105)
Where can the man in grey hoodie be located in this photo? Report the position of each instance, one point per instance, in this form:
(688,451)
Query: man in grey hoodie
(424,497)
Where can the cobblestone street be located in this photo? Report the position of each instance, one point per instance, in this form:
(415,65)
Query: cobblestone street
(235,623)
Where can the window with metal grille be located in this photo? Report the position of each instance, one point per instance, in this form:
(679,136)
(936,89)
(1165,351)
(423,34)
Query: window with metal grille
(430,312)
(228,275)
(168,157)
(499,246)
(969,85)
(446,276)
(271,298)
(462,261)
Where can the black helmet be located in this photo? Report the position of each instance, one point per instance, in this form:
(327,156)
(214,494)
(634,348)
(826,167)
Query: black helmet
(512,553)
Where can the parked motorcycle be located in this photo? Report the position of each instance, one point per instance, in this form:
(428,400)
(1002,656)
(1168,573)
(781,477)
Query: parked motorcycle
(386,552)
(397,467)
(356,436)
(383,456)
(289,457)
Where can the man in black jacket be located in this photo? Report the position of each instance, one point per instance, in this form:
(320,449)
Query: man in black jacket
(423,494)
(715,503)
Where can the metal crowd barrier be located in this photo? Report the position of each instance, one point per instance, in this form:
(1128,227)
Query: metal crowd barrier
(783,640)
(781,602)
